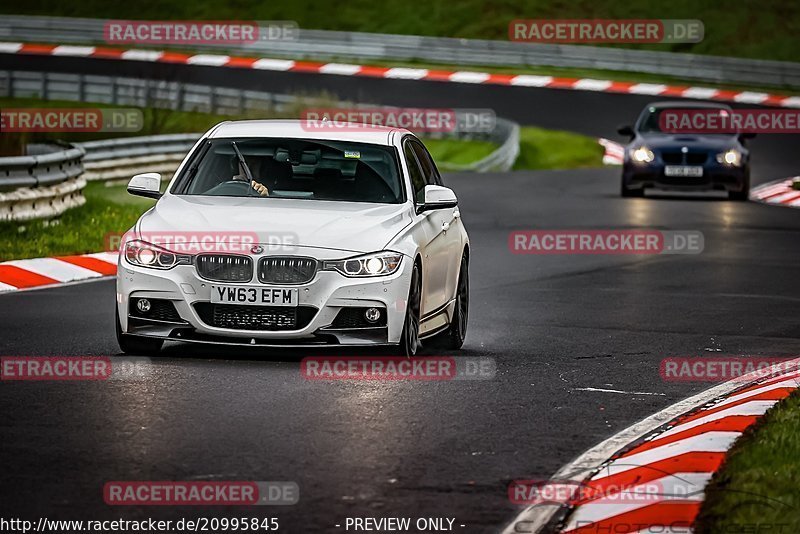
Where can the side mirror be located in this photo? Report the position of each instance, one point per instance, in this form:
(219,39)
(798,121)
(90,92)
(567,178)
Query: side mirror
(438,197)
(625,130)
(146,185)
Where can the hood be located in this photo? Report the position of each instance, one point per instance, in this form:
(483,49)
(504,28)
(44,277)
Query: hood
(692,141)
(346,226)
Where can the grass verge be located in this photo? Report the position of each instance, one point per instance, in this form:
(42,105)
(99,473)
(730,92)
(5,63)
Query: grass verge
(555,149)
(76,231)
(756,490)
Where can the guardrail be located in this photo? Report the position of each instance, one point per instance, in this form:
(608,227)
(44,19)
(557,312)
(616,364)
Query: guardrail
(368,46)
(43,184)
(117,159)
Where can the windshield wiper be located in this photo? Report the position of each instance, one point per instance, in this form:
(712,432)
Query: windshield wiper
(244,166)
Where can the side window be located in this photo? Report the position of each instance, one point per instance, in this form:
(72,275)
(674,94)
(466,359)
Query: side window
(415,173)
(428,167)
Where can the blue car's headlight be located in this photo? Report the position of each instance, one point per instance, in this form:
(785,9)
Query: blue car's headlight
(731,157)
(375,264)
(642,154)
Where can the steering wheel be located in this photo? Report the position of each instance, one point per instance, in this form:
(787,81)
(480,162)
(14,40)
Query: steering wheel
(230,188)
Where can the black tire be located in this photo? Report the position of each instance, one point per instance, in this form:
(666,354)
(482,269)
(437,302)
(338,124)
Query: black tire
(409,339)
(627,192)
(136,344)
(457,331)
(743,195)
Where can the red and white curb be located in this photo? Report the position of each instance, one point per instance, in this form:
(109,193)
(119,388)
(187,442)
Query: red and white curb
(405,73)
(614,152)
(46,272)
(657,484)
(779,192)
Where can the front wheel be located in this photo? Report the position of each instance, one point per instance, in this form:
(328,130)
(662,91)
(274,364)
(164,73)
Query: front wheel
(134,344)
(457,330)
(627,192)
(409,341)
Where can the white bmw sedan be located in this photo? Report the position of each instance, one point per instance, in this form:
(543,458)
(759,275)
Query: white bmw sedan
(272,233)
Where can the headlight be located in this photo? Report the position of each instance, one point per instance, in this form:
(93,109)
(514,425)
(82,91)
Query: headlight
(642,155)
(731,157)
(144,254)
(376,264)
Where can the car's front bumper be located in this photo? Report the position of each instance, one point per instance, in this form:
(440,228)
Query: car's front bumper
(715,177)
(324,296)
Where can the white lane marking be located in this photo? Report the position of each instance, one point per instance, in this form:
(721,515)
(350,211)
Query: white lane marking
(708,442)
(108,257)
(340,68)
(273,64)
(601,390)
(750,97)
(682,487)
(529,80)
(535,517)
(212,60)
(647,89)
(55,269)
(700,92)
(463,76)
(67,50)
(10,48)
(588,84)
(7,287)
(793,383)
(142,55)
(405,73)
(791,102)
(750,408)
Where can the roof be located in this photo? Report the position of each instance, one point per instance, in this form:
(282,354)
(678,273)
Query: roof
(302,129)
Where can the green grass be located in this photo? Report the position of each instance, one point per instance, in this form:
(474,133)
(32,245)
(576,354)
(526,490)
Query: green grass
(553,149)
(746,28)
(108,210)
(757,488)
(451,153)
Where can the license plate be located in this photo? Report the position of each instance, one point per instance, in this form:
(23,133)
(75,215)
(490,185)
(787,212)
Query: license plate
(254,295)
(683,170)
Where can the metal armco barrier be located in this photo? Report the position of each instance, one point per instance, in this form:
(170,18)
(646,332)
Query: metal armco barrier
(43,184)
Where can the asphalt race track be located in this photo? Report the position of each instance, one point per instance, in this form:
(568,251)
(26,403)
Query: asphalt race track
(555,325)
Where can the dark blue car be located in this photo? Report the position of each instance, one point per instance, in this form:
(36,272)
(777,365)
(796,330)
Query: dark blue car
(666,160)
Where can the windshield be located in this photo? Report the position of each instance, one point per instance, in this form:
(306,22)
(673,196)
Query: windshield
(294,168)
(651,120)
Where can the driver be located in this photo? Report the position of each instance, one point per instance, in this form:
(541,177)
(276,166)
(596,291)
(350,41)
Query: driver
(241,176)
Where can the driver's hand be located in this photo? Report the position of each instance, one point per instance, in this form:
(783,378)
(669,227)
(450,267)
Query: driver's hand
(261,188)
